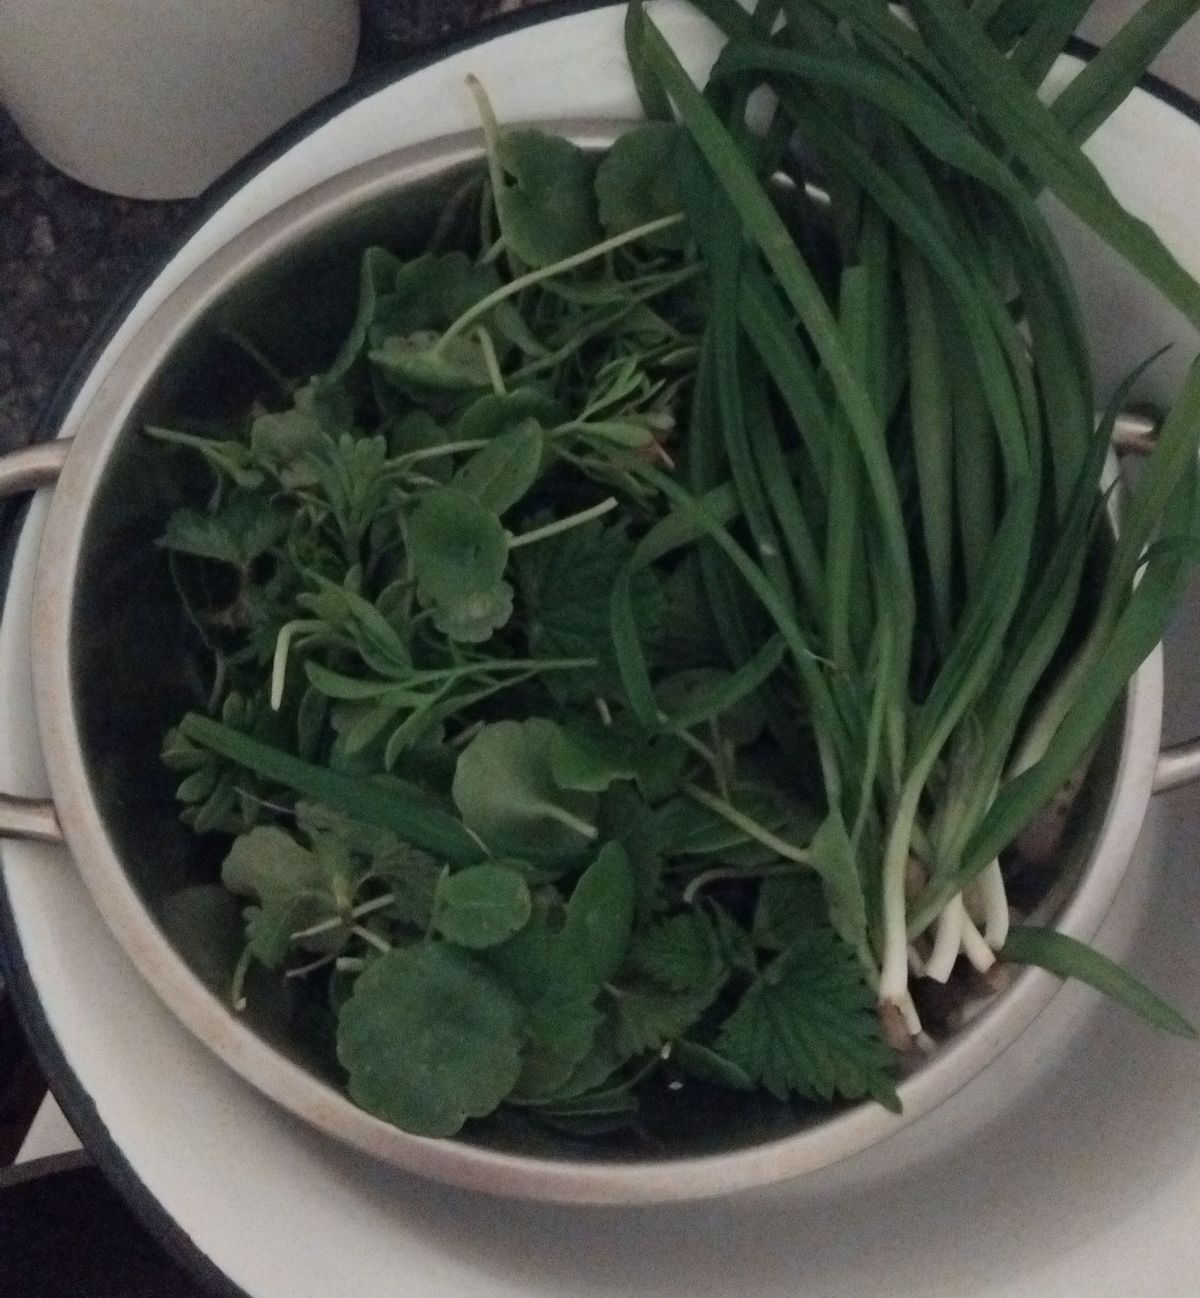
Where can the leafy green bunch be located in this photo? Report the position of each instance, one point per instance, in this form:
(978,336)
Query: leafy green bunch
(516,889)
(631,655)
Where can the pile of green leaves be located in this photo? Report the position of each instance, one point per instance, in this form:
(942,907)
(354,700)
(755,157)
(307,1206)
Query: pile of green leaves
(660,566)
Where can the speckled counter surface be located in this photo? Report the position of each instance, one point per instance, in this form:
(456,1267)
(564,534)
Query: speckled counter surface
(67,252)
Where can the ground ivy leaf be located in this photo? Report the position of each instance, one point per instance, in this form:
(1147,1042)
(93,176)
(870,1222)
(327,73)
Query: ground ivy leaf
(269,934)
(505,792)
(807,1026)
(547,207)
(635,182)
(601,910)
(458,548)
(473,619)
(429,1038)
(679,953)
(501,472)
(481,906)
(284,440)
(419,362)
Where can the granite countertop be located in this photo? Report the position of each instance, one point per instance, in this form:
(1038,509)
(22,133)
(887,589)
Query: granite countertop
(67,252)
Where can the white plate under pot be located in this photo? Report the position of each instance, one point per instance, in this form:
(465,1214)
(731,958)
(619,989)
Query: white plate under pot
(1071,1169)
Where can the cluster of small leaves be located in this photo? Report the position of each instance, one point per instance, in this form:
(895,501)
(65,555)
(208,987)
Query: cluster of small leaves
(519,888)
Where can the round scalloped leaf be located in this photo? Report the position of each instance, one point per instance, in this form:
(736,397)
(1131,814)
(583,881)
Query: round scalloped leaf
(429,1038)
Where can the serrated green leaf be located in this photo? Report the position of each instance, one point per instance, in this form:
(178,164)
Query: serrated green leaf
(788,905)
(807,1026)
(680,953)
(565,584)
(472,619)
(458,549)
(429,1038)
(647,1017)
(481,906)
(237,534)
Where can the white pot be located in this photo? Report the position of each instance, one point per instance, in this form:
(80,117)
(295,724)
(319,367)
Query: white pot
(156,98)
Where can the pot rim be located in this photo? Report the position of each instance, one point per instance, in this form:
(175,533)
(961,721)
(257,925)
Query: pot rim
(97,425)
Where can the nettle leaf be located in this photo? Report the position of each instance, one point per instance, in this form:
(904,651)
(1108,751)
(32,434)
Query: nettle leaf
(501,472)
(481,906)
(788,905)
(566,583)
(420,362)
(680,953)
(636,182)
(497,412)
(647,1017)
(429,1038)
(505,792)
(600,912)
(547,206)
(247,526)
(735,944)
(458,548)
(807,1026)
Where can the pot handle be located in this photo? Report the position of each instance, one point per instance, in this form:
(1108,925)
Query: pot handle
(1134,434)
(27,470)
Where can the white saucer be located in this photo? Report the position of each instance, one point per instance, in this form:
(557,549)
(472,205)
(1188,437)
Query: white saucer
(1070,1170)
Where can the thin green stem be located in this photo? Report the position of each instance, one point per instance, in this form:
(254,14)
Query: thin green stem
(562,524)
(522,282)
(747,824)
